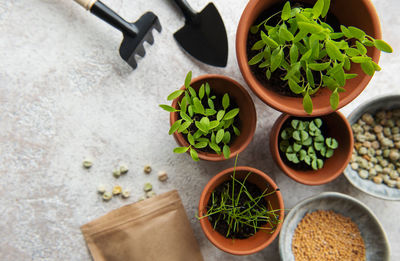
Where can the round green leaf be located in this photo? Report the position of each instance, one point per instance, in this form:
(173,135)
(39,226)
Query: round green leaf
(225,101)
(334,100)
(188,79)
(201,145)
(219,136)
(286,11)
(307,103)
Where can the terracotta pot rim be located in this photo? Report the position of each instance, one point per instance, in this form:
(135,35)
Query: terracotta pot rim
(245,96)
(274,147)
(264,94)
(203,202)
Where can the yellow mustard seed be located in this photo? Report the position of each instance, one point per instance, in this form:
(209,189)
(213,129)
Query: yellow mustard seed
(123,169)
(162,176)
(87,164)
(116,173)
(147,187)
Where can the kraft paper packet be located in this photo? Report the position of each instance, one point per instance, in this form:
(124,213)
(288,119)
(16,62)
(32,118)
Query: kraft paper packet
(153,229)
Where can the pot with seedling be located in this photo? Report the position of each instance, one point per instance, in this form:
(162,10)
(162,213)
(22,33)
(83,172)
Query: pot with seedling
(313,150)
(212,117)
(241,210)
(309,57)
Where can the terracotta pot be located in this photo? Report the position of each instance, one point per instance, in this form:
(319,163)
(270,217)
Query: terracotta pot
(337,127)
(358,13)
(220,85)
(256,242)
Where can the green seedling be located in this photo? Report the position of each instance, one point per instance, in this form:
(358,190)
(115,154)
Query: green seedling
(309,54)
(202,124)
(253,212)
(303,141)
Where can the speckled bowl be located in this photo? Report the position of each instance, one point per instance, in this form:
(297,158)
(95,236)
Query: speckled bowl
(376,243)
(380,191)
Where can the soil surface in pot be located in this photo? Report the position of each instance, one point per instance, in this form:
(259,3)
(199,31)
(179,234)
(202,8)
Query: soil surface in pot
(302,166)
(217,106)
(220,224)
(275,83)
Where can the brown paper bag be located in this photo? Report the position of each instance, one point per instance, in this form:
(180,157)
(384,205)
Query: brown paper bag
(153,229)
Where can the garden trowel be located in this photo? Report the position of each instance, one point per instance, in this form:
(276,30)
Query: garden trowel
(203,36)
(134,33)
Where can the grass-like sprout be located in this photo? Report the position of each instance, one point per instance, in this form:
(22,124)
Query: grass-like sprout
(239,212)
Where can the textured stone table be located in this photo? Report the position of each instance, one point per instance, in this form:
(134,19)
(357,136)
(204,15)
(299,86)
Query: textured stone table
(66,94)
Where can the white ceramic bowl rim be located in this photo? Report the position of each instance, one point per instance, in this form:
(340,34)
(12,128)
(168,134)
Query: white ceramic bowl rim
(294,210)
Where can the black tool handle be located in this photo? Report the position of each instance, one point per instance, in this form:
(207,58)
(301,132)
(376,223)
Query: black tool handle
(187,11)
(106,14)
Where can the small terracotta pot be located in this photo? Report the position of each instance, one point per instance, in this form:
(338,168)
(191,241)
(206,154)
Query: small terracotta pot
(337,127)
(248,118)
(256,242)
(358,13)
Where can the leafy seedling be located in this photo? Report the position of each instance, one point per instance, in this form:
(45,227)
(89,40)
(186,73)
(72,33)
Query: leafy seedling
(203,125)
(303,141)
(310,54)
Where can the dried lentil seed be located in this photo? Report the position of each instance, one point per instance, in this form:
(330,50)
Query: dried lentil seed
(101,189)
(117,190)
(147,169)
(378,129)
(162,176)
(147,187)
(375,145)
(391,183)
(125,193)
(363,174)
(367,118)
(362,151)
(123,169)
(150,194)
(107,196)
(354,165)
(377,179)
(87,163)
(116,173)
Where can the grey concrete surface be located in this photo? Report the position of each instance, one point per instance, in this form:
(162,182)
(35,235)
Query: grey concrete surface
(65,94)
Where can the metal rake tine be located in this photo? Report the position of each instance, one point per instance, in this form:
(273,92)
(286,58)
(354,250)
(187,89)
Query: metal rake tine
(149,38)
(140,50)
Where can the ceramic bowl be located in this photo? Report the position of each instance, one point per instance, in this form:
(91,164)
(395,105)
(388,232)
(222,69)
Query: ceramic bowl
(380,191)
(338,128)
(375,240)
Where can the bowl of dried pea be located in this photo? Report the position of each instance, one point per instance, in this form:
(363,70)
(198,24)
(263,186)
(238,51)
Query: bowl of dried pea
(332,226)
(375,164)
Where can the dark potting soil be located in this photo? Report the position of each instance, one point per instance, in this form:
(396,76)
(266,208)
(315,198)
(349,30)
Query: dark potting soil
(218,221)
(302,166)
(275,83)
(217,106)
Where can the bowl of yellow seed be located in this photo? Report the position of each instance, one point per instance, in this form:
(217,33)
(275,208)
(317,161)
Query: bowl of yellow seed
(332,226)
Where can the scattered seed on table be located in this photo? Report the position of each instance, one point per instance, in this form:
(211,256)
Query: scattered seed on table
(162,176)
(147,187)
(101,189)
(116,173)
(87,163)
(123,169)
(150,194)
(142,198)
(117,190)
(126,193)
(107,196)
(147,169)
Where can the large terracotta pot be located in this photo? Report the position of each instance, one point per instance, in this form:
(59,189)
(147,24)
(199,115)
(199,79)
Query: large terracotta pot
(358,13)
(248,118)
(256,242)
(337,127)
